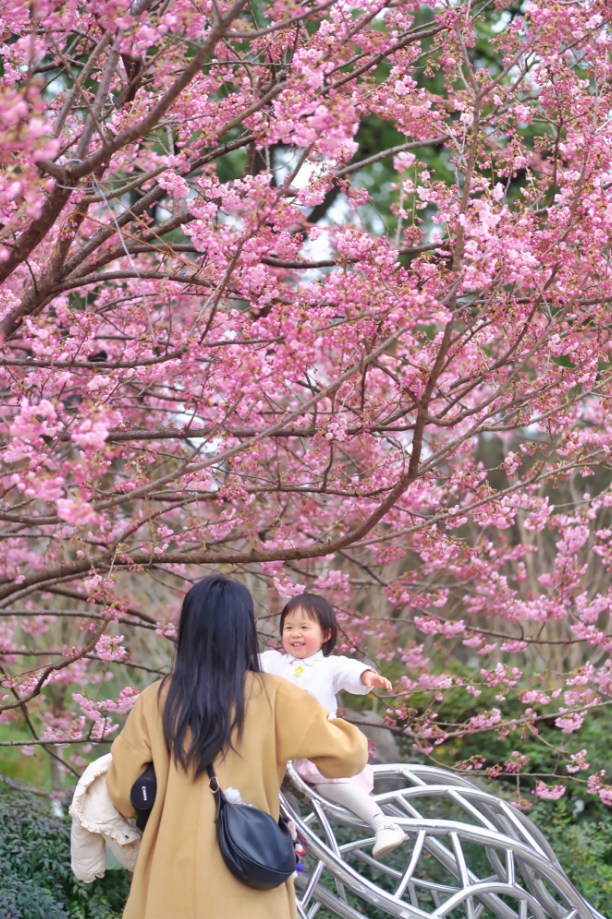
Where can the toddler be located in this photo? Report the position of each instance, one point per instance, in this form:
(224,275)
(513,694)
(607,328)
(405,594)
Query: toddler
(309,631)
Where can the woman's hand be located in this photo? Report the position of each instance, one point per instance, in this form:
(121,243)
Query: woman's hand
(371,679)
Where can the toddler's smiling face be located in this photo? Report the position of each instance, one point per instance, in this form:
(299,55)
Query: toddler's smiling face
(303,636)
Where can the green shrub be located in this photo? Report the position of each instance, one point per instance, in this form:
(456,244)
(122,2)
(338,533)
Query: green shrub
(36,879)
(584,848)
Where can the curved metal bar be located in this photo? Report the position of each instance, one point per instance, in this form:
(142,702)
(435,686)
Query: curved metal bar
(313,880)
(417,773)
(437,828)
(496,888)
(414,858)
(532,858)
(347,875)
(330,902)
(507,819)
(524,865)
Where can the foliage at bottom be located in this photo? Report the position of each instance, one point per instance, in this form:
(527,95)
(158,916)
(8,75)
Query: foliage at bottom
(36,879)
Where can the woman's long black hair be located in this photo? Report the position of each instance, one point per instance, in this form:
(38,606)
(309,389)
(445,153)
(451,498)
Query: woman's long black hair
(217,645)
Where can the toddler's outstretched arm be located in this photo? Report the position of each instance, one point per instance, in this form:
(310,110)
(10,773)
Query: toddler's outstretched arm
(371,679)
(352,676)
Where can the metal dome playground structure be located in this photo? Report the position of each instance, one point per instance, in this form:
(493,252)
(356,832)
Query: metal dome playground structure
(469,854)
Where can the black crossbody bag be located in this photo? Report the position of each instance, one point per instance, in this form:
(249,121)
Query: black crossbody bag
(258,851)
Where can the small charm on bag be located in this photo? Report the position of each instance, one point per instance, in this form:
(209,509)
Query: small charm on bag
(299,848)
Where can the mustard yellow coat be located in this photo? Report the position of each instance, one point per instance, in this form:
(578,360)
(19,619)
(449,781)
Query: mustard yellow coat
(180,873)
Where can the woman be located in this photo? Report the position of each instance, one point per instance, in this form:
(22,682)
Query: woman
(217,707)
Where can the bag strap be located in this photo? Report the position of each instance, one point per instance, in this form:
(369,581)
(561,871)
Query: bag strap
(213,781)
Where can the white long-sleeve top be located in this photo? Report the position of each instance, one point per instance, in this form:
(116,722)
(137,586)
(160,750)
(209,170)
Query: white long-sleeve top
(321,676)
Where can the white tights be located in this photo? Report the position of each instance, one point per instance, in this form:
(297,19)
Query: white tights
(355,799)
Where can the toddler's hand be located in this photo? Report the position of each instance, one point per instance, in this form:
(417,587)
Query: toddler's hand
(371,679)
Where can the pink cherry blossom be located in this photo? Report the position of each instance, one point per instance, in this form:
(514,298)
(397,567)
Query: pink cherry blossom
(549,792)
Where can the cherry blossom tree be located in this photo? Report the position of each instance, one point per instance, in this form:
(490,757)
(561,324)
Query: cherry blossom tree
(217,356)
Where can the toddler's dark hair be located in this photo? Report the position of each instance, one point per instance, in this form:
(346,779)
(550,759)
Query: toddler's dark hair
(317,608)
